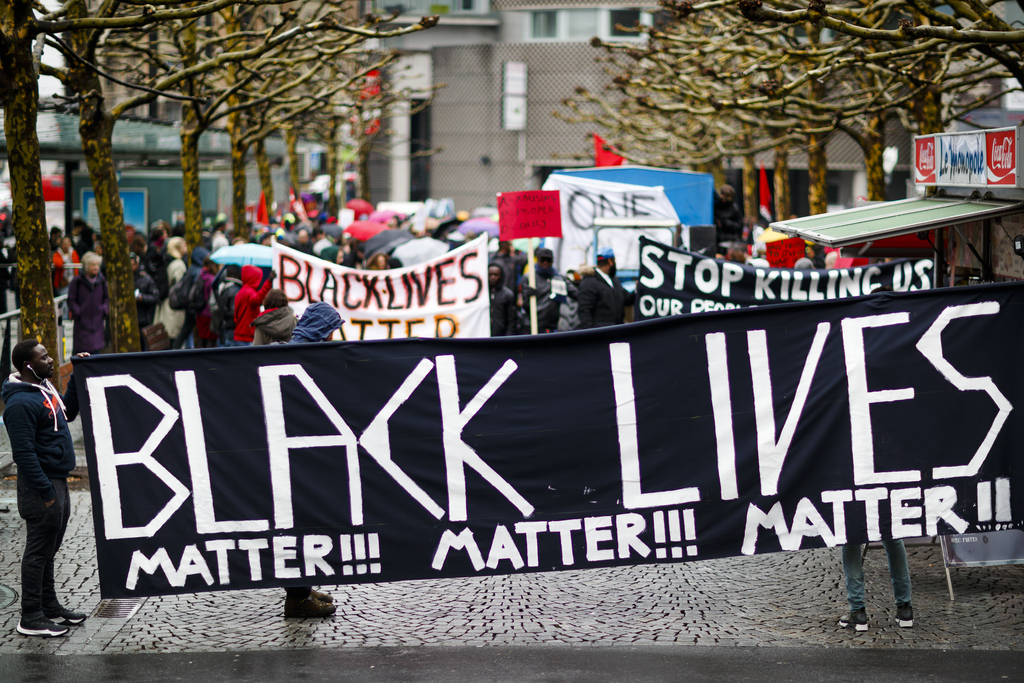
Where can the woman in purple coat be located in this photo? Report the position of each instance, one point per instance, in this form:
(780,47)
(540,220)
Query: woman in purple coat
(87,300)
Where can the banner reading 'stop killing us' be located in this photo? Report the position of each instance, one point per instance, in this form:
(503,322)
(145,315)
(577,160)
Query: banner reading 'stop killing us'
(675,281)
(776,428)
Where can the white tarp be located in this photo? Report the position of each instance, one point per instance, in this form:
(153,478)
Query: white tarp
(584,199)
(444,297)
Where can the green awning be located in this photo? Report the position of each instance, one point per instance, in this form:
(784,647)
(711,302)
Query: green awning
(891,219)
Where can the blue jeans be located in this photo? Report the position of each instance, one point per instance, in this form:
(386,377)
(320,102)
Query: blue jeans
(853,568)
(233,342)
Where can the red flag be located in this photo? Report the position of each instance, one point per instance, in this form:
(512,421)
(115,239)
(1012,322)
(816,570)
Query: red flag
(262,215)
(298,208)
(604,154)
(765,196)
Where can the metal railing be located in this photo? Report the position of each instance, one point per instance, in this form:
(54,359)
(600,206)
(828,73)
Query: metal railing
(10,328)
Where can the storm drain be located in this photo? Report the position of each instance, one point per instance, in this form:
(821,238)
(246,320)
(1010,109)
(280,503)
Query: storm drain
(7,596)
(117,609)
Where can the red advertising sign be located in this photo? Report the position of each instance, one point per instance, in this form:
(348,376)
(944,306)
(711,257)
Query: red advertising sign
(1002,157)
(785,253)
(924,160)
(529,214)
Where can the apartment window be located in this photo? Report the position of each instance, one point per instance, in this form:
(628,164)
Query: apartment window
(545,25)
(626,18)
(583,24)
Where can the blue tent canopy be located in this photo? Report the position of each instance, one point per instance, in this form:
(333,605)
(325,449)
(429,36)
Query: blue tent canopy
(691,194)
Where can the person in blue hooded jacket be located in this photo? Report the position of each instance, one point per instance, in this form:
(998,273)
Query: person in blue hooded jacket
(317,324)
(36,417)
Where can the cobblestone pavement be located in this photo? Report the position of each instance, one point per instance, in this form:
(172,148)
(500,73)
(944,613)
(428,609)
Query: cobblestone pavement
(777,600)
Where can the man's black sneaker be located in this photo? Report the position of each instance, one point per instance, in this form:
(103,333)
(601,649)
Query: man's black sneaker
(40,627)
(904,616)
(856,619)
(64,616)
(308,607)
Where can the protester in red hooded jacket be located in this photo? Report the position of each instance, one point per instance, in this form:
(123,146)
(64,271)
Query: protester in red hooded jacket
(248,302)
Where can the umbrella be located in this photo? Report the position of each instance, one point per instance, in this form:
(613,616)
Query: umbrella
(245,255)
(364,230)
(479,225)
(386,241)
(419,251)
(770,235)
(383,216)
(332,229)
(360,207)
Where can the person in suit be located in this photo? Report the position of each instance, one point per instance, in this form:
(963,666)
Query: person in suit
(602,299)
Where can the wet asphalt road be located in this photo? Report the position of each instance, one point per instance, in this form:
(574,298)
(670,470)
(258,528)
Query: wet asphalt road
(526,665)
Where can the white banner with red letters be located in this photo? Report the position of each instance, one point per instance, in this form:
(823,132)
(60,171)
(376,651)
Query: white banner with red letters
(442,298)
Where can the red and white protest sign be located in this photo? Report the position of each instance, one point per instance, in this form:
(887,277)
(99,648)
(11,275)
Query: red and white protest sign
(785,253)
(1002,157)
(924,159)
(536,213)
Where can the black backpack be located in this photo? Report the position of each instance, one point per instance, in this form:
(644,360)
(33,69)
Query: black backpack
(159,273)
(187,293)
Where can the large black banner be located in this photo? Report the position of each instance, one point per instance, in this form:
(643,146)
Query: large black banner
(675,281)
(752,431)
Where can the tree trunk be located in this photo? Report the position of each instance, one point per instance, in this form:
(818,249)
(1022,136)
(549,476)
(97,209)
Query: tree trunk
(363,171)
(873,146)
(263,166)
(191,181)
(332,169)
(782,204)
(817,169)
(751,208)
(927,105)
(291,140)
(238,179)
(19,92)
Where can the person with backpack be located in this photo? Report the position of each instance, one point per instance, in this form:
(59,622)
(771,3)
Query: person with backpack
(173,320)
(248,302)
(88,302)
(187,295)
(223,319)
(208,335)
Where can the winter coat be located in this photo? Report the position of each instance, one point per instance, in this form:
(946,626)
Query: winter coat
(318,323)
(225,318)
(273,325)
(172,320)
(548,308)
(38,429)
(503,310)
(61,279)
(248,302)
(147,299)
(89,305)
(512,265)
(599,304)
(728,221)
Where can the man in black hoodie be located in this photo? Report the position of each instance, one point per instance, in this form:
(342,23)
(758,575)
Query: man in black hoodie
(36,417)
(503,303)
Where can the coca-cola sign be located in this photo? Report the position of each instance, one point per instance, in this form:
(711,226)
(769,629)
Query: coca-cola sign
(969,159)
(924,160)
(1002,157)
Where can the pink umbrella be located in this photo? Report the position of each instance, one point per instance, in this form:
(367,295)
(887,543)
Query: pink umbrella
(479,225)
(364,230)
(383,216)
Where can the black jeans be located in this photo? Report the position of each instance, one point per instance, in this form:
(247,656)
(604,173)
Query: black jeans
(45,531)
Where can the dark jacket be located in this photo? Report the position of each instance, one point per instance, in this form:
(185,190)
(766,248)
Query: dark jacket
(224,318)
(599,304)
(728,221)
(503,310)
(318,323)
(548,308)
(38,429)
(148,297)
(195,272)
(273,325)
(248,302)
(89,305)
(512,265)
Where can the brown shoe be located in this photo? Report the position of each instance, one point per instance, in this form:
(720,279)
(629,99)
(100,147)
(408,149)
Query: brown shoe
(308,607)
(322,597)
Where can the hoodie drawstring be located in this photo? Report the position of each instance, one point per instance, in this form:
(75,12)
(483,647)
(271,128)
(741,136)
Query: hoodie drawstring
(48,389)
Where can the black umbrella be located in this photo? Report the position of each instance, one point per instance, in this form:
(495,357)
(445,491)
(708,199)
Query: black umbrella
(333,230)
(386,241)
